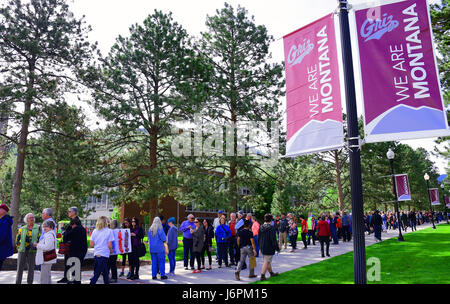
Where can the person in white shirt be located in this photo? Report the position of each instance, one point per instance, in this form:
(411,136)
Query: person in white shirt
(47,216)
(46,244)
(216,222)
(101,239)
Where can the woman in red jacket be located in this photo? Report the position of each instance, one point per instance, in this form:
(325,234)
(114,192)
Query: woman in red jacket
(324,233)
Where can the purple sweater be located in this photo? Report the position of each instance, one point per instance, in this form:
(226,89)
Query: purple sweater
(185,228)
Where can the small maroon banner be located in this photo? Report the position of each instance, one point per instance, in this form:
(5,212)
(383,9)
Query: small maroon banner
(402,185)
(434,195)
(447,201)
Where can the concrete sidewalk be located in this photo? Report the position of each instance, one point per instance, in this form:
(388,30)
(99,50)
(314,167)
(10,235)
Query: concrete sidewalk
(284,262)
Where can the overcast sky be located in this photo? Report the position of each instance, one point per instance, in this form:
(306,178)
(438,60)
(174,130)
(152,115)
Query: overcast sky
(110,18)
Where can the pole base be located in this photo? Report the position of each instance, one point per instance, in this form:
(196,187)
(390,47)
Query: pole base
(400,239)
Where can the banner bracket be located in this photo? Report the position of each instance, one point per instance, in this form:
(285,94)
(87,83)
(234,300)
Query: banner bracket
(361,142)
(347,7)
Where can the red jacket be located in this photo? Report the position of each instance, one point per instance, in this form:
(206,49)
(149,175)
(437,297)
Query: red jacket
(323,228)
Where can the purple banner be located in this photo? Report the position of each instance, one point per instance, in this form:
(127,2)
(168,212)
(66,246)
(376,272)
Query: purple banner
(402,185)
(447,201)
(313,94)
(434,196)
(398,72)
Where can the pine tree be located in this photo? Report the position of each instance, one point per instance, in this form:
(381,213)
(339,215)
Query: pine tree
(41,43)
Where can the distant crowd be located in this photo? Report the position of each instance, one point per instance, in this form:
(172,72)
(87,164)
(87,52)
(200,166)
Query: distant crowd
(239,239)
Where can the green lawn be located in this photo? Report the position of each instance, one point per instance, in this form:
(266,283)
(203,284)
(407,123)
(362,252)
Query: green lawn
(424,258)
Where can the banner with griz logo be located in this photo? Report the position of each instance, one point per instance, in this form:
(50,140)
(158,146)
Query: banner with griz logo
(396,71)
(313,93)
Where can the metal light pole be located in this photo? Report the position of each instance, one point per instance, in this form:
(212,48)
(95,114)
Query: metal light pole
(443,201)
(359,249)
(427,177)
(390,155)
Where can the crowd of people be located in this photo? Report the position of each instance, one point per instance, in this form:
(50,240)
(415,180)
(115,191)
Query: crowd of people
(239,239)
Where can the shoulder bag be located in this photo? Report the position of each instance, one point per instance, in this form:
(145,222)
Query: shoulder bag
(50,255)
(142,250)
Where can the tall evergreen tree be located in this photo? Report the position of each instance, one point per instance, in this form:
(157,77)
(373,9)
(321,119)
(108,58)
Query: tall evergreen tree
(246,87)
(40,43)
(148,81)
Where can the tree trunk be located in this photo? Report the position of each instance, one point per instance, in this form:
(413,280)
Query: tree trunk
(21,152)
(338,182)
(20,166)
(3,130)
(233,165)
(56,213)
(153,162)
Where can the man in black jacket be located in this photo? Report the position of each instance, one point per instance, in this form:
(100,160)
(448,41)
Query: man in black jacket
(377,223)
(73,215)
(268,244)
(412,220)
(78,243)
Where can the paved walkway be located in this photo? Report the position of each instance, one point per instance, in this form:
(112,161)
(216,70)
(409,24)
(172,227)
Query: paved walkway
(284,262)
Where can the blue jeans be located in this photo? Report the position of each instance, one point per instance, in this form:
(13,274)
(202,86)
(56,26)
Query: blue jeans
(172,261)
(158,263)
(256,245)
(100,268)
(334,234)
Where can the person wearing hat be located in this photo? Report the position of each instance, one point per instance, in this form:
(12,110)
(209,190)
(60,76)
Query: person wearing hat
(216,224)
(238,227)
(172,242)
(72,213)
(6,242)
(188,241)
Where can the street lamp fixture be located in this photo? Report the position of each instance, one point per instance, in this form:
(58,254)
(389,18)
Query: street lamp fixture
(390,155)
(427,178)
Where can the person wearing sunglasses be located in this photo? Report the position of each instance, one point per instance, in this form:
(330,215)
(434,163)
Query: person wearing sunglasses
(186,227)
(137,234)
(198,237)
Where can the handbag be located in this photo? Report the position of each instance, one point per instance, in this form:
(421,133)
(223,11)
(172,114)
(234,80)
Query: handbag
(211,249)
(50,255)
(142,250)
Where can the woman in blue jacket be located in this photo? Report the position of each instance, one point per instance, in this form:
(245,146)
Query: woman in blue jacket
(223,234)
(156,241)
(6,221)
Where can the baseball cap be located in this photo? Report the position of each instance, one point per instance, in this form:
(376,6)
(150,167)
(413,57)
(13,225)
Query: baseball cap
(171,220)
(3,206)
(220,211)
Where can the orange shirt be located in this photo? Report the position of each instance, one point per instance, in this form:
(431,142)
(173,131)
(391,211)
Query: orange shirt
(255,228)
